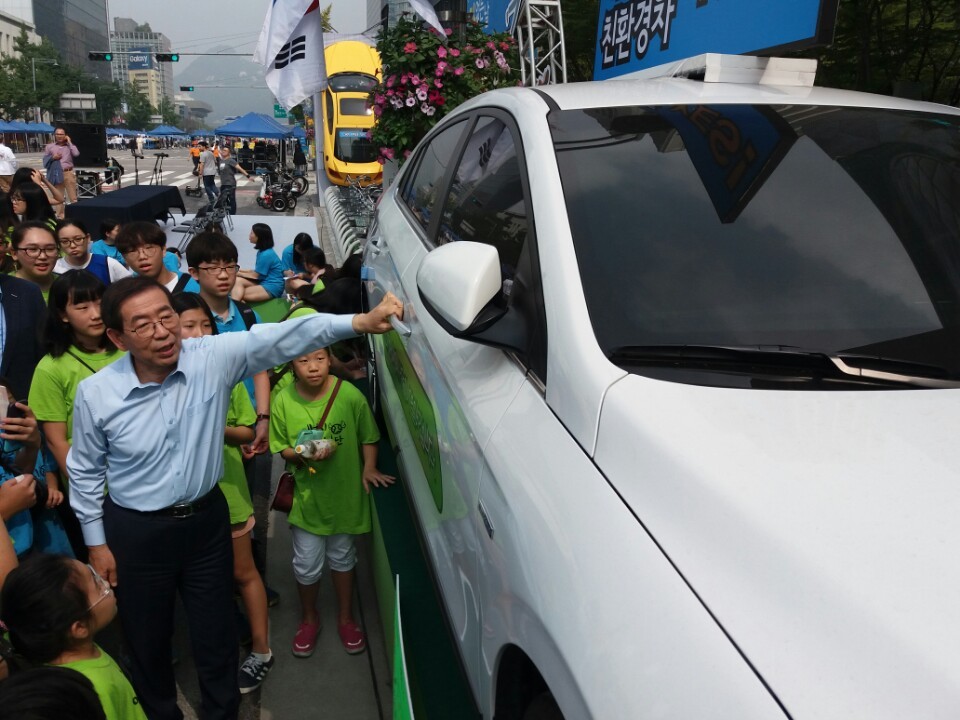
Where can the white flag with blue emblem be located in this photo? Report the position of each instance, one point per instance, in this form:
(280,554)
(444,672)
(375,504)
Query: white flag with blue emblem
(293,51)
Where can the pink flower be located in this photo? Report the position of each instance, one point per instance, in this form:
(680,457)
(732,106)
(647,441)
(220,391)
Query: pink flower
(489,45)
(441,51)
(479,62)
(427,110)
(448,31)
(421,94)
(404,78)
(441,68)
(381,161)
(391,80)
(377,110)
(387,153)
(379,99)
(458,71)
(389,93)
(454,52)
(411,101)
(504,46)
(437,83)
(410,48)
(407,153)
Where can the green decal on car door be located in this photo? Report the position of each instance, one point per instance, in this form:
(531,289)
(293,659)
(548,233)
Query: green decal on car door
(418,412)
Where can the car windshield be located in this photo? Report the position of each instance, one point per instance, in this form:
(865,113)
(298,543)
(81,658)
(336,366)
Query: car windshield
(353,146)
(824,229)
(352,82)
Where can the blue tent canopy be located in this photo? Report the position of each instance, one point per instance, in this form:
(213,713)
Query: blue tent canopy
(299,132)
(164,130)
(255,125)
(39,127)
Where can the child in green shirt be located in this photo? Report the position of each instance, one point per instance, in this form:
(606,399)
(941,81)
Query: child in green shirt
(331,500)
(196,321)
(54,606)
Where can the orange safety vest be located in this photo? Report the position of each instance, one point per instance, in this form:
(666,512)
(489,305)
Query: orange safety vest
(195,151)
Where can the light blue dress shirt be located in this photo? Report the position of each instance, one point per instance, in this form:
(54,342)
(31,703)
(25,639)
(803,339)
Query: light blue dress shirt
(156,445)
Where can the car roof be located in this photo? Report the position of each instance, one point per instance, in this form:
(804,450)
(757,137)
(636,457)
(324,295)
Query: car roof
(679,91)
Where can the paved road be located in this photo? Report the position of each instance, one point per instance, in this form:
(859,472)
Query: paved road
(177,170)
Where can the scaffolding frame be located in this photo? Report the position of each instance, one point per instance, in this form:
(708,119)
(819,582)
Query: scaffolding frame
(539,33)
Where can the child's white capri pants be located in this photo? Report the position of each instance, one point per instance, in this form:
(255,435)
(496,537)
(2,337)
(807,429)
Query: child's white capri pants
(309,551)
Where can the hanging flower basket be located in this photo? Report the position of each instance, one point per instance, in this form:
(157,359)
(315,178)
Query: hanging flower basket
(424,78)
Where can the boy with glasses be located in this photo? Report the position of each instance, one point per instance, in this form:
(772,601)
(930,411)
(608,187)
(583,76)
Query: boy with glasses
(143,245)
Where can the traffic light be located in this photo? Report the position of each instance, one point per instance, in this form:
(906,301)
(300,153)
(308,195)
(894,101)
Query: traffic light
(100,56)
(186,88)
(168,57)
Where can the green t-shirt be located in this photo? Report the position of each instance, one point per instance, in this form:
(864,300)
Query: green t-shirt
(55,383)
(330,500)
(234,481)
(116,693)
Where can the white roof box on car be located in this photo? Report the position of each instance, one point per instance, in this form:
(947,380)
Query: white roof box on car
(742,69)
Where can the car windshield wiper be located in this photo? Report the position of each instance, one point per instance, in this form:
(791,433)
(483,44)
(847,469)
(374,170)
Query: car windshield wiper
(786,359)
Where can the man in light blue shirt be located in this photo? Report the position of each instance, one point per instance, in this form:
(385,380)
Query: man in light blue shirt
(148,430)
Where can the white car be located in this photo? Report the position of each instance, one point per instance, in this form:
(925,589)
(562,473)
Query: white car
(674,394)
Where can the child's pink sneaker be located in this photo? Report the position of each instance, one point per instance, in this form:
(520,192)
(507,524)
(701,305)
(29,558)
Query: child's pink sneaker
(305,641)
(352,638)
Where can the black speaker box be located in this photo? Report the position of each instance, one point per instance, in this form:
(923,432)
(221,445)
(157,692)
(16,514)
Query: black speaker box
(91,141)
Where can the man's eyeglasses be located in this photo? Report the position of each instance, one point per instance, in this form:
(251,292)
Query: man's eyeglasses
(103,587)
(215,270)
(34,252)
(149,329)
(147,250)
(71,242)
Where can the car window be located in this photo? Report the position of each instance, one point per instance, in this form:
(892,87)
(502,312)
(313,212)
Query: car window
(486,203)
(355,106)
(433,159)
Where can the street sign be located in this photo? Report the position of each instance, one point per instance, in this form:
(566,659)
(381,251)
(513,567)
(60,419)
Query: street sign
(279,111)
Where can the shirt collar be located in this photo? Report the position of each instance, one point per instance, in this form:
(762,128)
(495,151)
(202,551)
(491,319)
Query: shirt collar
(128,381)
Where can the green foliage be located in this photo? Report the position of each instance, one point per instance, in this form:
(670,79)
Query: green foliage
(886,46)
(17,74)
(139,109)
(580,34)
(423,79)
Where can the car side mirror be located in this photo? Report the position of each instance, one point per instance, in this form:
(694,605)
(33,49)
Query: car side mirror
(458,280)
(461,287)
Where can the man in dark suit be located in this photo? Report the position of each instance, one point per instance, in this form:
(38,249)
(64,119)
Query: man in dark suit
(22,317)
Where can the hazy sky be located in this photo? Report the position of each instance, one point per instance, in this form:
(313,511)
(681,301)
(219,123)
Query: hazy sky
(195,25)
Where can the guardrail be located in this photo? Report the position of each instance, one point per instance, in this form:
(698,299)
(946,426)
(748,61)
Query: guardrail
(346,240)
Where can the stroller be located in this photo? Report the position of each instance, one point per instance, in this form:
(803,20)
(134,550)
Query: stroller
(275,193)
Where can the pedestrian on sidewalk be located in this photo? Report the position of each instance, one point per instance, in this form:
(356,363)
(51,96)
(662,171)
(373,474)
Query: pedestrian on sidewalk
(331,497)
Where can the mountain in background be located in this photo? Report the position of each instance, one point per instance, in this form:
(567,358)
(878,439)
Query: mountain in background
(231,84)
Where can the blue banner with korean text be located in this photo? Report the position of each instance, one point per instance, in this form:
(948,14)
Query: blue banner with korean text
(637,34)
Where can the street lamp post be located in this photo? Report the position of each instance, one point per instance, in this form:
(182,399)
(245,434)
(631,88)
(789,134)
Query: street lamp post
(33,69)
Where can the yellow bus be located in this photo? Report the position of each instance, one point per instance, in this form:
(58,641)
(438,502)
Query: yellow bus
(353,70)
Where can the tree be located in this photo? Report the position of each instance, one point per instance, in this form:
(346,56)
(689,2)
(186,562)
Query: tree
(41,63)
(169,114)
(580,34)
(139,109)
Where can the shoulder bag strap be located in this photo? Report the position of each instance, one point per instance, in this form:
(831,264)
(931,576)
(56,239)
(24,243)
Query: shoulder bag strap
(326,411)
(81,361)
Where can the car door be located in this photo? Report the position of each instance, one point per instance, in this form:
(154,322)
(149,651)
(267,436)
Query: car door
(437,455)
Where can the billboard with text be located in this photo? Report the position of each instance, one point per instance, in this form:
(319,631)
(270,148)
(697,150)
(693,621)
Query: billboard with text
(638,34)
(140,59)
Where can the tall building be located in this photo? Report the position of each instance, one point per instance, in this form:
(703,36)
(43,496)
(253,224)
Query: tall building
(75,27)
(134,46)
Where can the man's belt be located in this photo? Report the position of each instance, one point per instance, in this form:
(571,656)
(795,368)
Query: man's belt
(184,509)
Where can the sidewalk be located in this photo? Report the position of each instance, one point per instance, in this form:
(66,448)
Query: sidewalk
(331,683)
